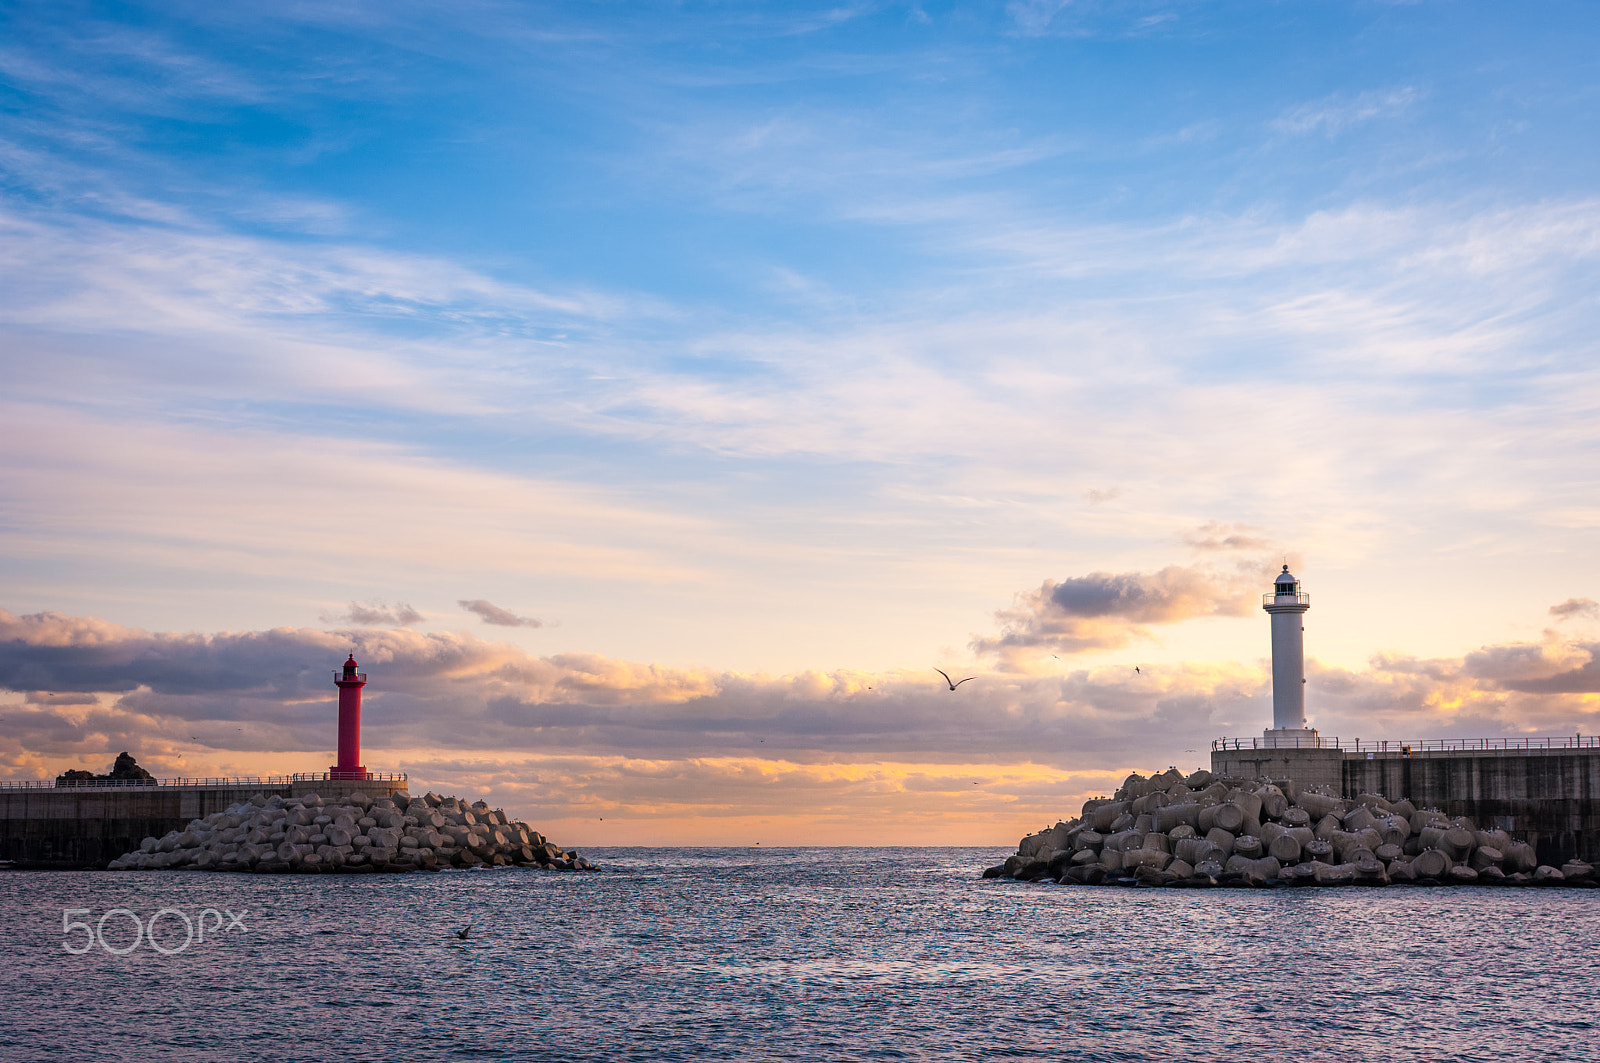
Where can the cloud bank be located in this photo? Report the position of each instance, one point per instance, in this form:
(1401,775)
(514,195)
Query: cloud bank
(695,753)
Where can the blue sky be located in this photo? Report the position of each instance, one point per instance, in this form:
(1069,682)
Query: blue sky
(749,343)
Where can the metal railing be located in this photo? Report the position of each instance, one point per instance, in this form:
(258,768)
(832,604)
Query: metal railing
(1286,599)
(1319,742)
(342,776)
(270,782)
(1420,747)
(1467,745)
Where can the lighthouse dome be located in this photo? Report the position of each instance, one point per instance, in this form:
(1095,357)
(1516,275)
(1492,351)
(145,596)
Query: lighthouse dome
(1286,578)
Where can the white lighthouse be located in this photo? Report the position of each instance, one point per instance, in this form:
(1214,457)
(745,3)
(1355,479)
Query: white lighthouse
(1287,604)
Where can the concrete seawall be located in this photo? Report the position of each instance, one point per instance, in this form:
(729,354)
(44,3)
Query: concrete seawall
(88,826)
(1551,797)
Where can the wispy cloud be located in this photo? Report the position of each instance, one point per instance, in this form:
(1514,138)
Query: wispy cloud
(1573,608)
(1220,536)
(1333,115)
(375,614)
(490,613)
(1017,409)
(1091,18)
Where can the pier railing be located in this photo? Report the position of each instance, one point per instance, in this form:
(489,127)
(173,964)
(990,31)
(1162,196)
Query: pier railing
(267,782)
(1415,748)
(1319,742)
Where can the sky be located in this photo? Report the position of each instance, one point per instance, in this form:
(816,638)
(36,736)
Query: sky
(654,396)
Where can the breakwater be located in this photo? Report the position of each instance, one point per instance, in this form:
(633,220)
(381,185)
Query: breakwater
(1546,791)
(350,834)
(1210,830)
(85,824)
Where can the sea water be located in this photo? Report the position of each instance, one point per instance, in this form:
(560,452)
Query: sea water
(805,954)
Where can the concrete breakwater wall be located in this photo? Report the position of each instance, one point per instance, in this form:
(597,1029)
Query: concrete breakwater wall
(1549,797)
(1210,830)
(88,826)
(350,834)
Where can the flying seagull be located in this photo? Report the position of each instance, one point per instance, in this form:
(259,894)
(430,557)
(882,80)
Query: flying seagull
(1136,669)
(464,931)
(953,683)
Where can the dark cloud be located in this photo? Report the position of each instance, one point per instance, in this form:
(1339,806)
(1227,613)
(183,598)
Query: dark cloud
(61,697)
(490,613)
(1160,598)
(1585,680)
(1103,609)
(1576,607)
(375,614)
(1548,673)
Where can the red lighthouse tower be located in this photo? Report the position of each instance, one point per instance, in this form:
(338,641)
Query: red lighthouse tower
(349,681)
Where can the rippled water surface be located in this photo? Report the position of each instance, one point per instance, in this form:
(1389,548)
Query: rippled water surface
(792,954)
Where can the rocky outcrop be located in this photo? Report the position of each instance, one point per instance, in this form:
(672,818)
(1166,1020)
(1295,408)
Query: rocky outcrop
(350,835)
(124,769)
(1203,830)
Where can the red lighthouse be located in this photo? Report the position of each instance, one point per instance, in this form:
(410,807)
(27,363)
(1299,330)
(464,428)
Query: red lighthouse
(349,681)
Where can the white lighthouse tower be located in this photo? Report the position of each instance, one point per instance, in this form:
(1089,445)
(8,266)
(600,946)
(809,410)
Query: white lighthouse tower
(1287,604)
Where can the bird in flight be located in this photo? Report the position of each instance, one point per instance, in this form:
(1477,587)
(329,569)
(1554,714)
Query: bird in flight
(464,931)
(953,683)
(1136,669)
